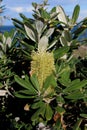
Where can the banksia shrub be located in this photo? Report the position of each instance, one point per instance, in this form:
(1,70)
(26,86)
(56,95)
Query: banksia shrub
(56,89)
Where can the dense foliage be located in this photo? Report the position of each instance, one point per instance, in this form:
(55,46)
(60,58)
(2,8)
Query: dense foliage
(43,73)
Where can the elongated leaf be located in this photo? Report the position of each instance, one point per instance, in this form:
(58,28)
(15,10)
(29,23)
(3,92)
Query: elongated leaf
(75,14)
(39,26)
(53,15)
(8,42)
(27,54)
(49,112)
(1,85)
(24,84)
(27,92)
(65,72)
(40,111)
(83,115)
(53,10)
(67,35)
(76,86)
(60,110)
(21,82)
(52,44)
(17,21)
(19,28)
(43,43)
(50,81)
(29,20)
(49,32)
(28,46)
(61,52)
(45,14)
(37,104)
(75,95)
(58,125)
(60,99)
(61,14)
(30,33)
(34,4)
(24,96)
(63,41)
(77,125)
(35,82)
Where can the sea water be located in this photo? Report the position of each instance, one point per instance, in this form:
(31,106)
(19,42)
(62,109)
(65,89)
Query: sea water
(6,28)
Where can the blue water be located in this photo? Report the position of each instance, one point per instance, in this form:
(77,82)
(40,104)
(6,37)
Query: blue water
(9,28)
(6,28)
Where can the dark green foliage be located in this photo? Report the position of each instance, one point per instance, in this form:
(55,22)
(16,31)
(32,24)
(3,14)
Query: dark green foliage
(23,104)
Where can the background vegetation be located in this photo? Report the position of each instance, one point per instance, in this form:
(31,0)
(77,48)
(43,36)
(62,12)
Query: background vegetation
(43,73)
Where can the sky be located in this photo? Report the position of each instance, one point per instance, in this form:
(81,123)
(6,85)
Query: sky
(14,7)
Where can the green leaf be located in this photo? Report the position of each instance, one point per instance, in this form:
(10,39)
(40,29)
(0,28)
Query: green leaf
(27,92)
(43,43)
(8,42)
(34,4)
(23,16)
(75,14)
(37,104)
(17,21)
(60,99)
(25,84)
(83,115)
(17,94)
(64,72)
(67,35)
(40,111)
(35,82)
(75,85)
(53,43)
(50,81)
(27,55)
(49,112)
(28,46)
(63,41)
(39,26)
(49,32)
(77,125)
(60,110)
(45,14)
(75,95)
(57,125)
(61,52)
(30,33)
(61,14)
(19,27)
(1,85)
(53,10)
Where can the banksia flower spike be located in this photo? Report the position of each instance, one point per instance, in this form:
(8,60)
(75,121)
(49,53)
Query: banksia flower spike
(42,64)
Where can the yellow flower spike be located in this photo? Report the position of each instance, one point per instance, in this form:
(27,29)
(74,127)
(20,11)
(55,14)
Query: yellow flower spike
(42,65)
